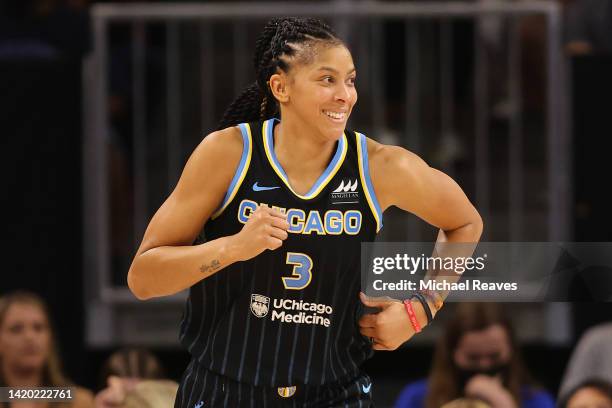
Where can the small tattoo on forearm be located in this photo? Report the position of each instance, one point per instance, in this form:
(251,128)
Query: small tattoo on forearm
(213,266)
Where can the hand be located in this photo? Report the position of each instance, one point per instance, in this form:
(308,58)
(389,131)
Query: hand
(265,229)
(114,394)
(390,327)
(490,390)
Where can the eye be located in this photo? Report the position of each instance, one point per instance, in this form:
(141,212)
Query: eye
(39,327)
(351,80)
(328,79)
(473,358)
(16,329)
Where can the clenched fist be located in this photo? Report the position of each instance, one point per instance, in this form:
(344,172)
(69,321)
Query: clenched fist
(265,229)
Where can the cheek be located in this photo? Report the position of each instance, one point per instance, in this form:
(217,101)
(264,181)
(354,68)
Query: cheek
(459,358)
(505,351)
(10,346)
(8,341)
(324,95)
(505,355)
(44,341)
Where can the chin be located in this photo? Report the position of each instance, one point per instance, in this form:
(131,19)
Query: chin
(333,135)
(32,363)
(334,132)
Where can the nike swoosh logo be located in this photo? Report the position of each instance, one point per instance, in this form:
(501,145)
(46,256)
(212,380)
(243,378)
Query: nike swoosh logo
(366,389)
(257,187)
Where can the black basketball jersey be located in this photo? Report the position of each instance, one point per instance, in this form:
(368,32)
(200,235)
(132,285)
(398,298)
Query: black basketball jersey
(288,316)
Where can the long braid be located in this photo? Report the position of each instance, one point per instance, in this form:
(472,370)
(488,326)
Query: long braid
(281,39)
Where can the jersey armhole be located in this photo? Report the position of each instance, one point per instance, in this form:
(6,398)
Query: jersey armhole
(366,181)
(241,171)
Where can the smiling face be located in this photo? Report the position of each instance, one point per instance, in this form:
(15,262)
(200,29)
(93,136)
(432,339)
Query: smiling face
(320,93)
(25,337)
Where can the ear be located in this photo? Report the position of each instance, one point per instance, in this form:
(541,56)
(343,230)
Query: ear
(279,86)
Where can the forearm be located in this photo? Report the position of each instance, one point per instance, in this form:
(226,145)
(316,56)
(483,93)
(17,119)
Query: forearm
(457,243)
(167,270)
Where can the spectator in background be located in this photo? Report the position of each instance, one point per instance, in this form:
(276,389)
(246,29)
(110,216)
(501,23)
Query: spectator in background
(149,394)
(466,403)
(477,358)
(589,27)
(589,394)
(592,358)
(28,355)
(132,362)
(122,374)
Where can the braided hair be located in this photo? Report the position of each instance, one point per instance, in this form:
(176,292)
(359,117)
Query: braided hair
(282,39)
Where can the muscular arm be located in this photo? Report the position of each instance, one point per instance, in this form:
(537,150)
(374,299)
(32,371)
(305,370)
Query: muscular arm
(166,262)
(404,180)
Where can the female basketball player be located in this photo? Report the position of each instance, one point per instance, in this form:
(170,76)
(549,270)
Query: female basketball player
(273,311)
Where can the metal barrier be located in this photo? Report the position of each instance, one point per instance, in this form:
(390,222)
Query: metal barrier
(178,39)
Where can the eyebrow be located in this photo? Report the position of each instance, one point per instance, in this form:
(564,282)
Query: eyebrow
(324,68)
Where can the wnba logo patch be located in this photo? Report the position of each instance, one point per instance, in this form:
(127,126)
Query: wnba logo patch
(286,392)
(260,305)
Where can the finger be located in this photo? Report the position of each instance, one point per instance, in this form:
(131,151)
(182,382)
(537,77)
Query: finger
(277,214)
(368,331)
(265,209)
(114,381)
(380,346)
(368,320)
(262,209)
(278,233)
(280,223)
(274,243)
(379,302)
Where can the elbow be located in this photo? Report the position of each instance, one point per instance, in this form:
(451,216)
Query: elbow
(470,231)
(474,226)
(477,226)
(136,284)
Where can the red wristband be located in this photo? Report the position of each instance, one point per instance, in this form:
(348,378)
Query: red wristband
(412,316)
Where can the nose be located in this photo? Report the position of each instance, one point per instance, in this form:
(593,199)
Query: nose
(485,363)
(342,93)
(29,334)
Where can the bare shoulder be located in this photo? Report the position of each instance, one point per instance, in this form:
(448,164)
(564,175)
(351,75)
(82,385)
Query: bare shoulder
(223,144)
(200,190)
(392,167)
(388,157)
(219,154)
(83,398)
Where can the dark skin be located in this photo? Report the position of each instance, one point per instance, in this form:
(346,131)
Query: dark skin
(315,99)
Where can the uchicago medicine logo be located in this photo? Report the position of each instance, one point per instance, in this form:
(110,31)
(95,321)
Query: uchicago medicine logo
(260,305)
(292,311)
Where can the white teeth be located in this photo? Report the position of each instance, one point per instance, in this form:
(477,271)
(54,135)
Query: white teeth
(335,115)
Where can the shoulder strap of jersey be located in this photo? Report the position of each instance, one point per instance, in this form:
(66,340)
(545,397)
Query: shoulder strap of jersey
(241,170)
(366,181)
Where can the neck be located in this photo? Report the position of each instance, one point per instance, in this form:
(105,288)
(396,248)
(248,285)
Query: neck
(299,148)
(21,377)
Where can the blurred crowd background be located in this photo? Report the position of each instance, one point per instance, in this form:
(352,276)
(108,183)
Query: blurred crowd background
(98,116)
